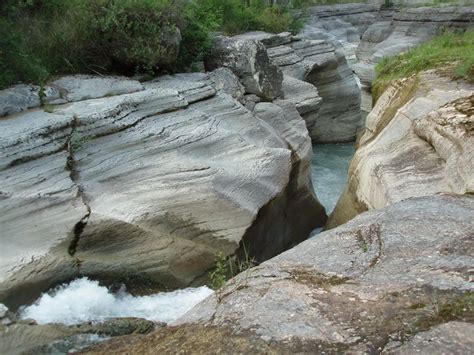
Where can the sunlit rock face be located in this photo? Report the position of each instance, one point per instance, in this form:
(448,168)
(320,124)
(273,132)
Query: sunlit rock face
(418,142)
(146,183)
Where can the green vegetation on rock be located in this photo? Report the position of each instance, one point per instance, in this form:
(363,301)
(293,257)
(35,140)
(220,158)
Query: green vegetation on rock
(43,38)
(454,51)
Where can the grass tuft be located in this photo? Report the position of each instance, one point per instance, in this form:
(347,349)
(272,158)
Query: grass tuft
(452,50)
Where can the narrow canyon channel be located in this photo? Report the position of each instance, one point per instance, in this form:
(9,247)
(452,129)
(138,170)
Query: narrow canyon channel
(84,300)
(214,211)
(329,169)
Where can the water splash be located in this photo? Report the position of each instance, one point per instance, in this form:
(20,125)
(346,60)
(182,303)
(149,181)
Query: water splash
(84,300)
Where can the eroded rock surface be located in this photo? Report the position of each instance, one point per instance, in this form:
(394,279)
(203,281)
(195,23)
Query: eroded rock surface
(389,280)
(146,187)
(248,59)
(419,141)
(367,33)
(316,75)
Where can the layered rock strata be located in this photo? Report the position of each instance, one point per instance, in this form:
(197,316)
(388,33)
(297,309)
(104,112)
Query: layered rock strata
(315,76)
(419,141)
(146,183)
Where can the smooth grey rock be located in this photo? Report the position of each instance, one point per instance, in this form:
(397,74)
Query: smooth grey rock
(19,98)
(416,143)
(318,62)
(146,188)
(82,87)
(379,277)
(305,97)
(224,80)
(3,310)
(248,60)
(404,30)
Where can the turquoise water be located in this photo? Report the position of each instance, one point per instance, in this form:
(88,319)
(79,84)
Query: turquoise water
(329,171)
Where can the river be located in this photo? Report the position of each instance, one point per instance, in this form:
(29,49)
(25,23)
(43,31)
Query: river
(329,171)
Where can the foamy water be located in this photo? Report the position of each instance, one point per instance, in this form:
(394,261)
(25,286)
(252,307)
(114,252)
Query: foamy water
(84,300)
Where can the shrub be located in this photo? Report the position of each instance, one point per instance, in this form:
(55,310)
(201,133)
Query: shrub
(87,36)
(43,38)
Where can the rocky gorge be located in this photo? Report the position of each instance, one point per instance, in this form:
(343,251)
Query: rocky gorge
(148,183)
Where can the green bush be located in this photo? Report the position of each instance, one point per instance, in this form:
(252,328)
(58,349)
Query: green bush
(43,38)
(40,38)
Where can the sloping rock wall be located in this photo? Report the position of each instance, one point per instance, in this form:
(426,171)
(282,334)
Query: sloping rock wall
(419,141)
(316,75)
(147,185)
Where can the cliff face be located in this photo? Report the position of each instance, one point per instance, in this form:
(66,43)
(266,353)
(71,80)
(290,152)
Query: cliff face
(315,76)
(418,141)
(367,33)
(146,183)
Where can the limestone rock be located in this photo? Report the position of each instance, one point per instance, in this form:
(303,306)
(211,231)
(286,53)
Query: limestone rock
(82,87)
(448,338)
(18,98)
(406,29)
(248,60)
(225,81)
(382,280)
(147,187)
(305,97)
(418,142)
(318,63)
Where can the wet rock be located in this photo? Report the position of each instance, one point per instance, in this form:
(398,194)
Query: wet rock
(25,338)
(118,326)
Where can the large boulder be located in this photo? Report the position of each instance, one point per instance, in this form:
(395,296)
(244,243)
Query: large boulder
(248,60)
(19,98)
(390,280)
(147,187)
(418,142)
